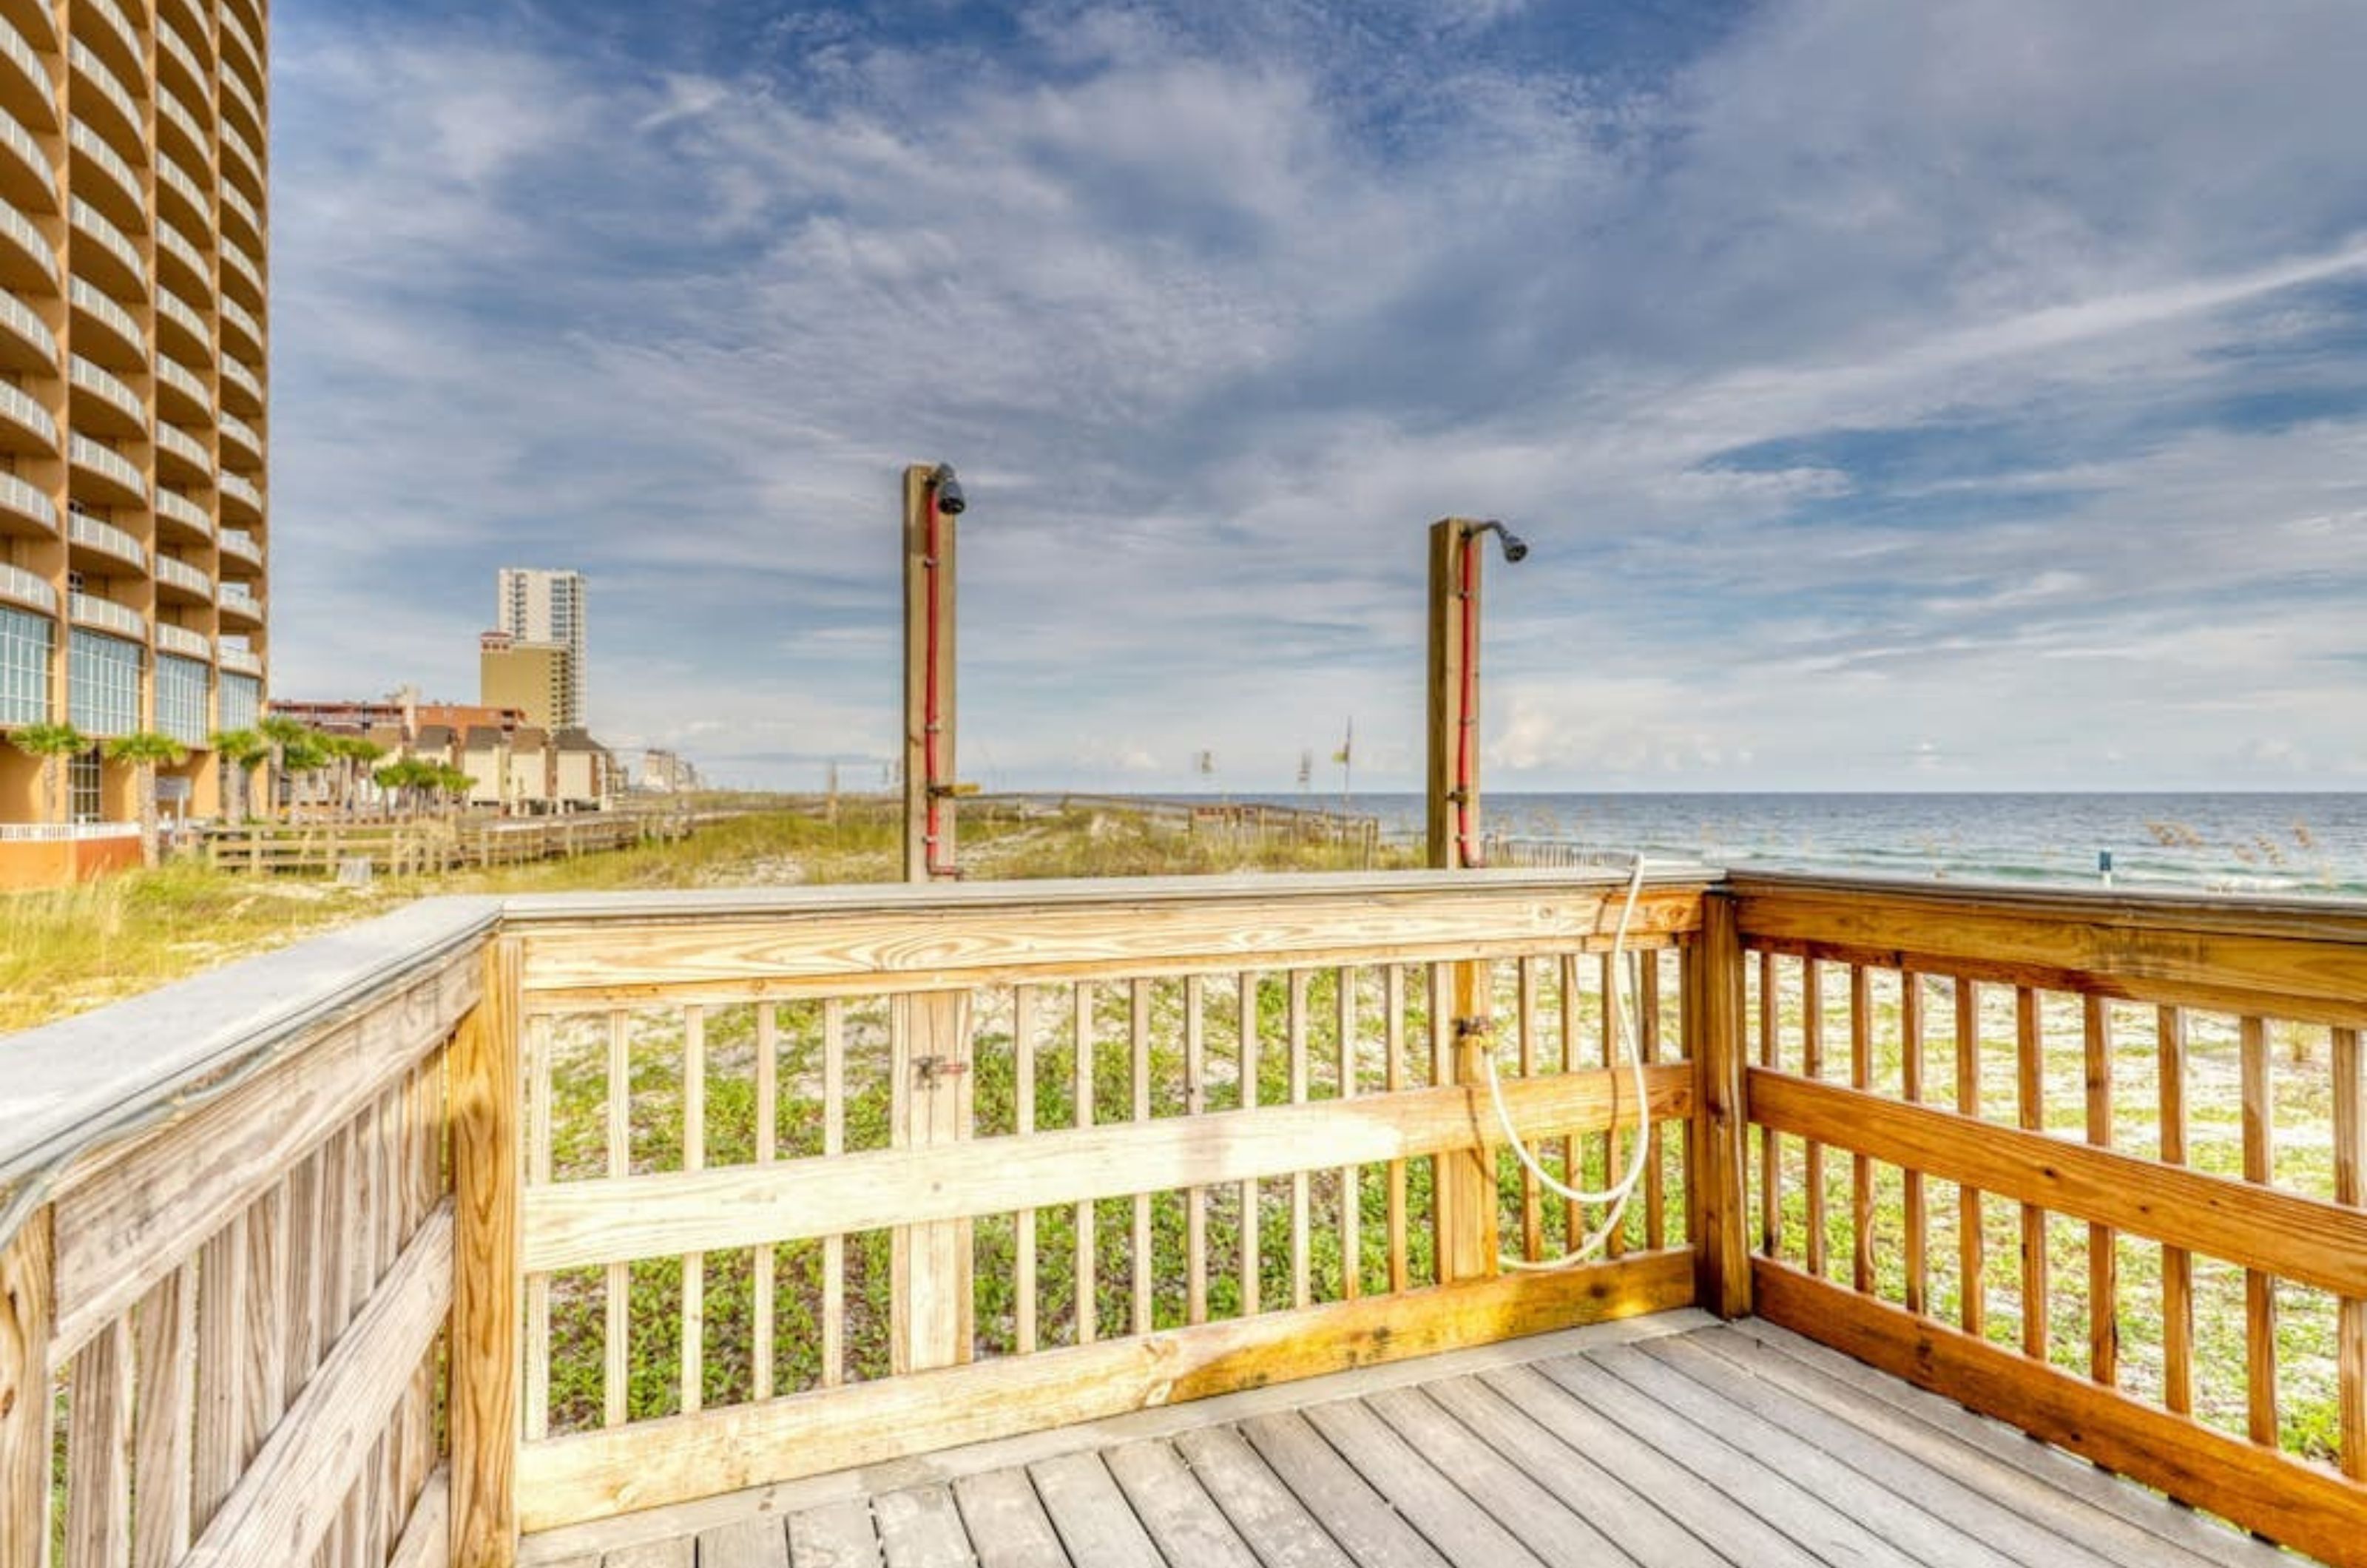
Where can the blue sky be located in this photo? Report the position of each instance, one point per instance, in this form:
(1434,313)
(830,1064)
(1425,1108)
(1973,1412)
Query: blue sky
(1963,396)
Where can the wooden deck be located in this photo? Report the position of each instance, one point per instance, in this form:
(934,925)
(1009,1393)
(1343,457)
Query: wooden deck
(1670,1440)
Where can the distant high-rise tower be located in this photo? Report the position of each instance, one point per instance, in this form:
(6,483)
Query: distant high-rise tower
(134,178)
(547,606)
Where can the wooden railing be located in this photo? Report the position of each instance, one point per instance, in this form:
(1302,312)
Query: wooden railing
(2024,1150)
(809,1186)
(503,1217)
(230,1258)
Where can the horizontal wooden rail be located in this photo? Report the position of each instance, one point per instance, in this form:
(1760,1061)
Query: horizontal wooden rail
(576,1224)
(2296,961)
(695,948)
(591,1475)
(2313,1242)
(2308,1508)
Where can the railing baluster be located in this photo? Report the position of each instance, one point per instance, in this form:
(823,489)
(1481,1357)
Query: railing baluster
(1573,1219)
(765,1264)
(1910,1089)
(2176,1263)
(1138,1032)
(1088,1282)
(2029,1100)
(1812,1064)
(1251,1262)
(694,1157)
(2104,1242)
(99,1483)
(1614,1034)
(616,1370)
(834,1142)
(2351,1188)
(1972,1251)
(166,1401)
(1351,1190)
(1861,1005)
(1301,1219)
(1770,1144)
(1647,1042)
(538,1088)
(1533,1241)
(2260,1288)
(1023,1080)
(1393,1041)
(219,1455)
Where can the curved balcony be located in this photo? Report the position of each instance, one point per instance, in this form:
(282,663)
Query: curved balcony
(243,159)
(236,94)
(187,641)
(90,610)
(122,121)
(238,602)
(182,458)
(180,262)
(27,260)
(240,388)
(26,341)
(176,184)
(179,325)
(238,490)
(183,516)
(235,29)
(241,439)
(180,393)
(173,54)
(18,586)
(26,175)
(187,133)
(235,204)
(25,424)
(110,477)
(112,259)
(185,581)
(119,188)
(34,88)
(241,275)
(24,510)
(87,532)
(237,318)
(238,544)
(37,19)
(104,328)
(114,34)
(241,660)
(104,401)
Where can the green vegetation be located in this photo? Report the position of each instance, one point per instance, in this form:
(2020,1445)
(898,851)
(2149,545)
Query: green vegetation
(68,949)
(50,744)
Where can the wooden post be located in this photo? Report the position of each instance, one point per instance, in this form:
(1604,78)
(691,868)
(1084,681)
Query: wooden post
(484,1356)
(1720,1126)
(1452,602)
(27,1311)
(1464,1208)
(931,1300)
(928,668)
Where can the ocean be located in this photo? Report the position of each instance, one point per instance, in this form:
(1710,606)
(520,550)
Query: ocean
(2282,843)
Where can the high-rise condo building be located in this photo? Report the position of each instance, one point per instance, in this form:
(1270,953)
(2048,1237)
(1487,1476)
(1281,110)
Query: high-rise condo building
(539,606)
(134,180)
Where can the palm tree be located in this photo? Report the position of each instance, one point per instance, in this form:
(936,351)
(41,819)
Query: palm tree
(241,749)
(144,748)
(354,754)
(279,732)
(406,777)
(51,744)
(305,755)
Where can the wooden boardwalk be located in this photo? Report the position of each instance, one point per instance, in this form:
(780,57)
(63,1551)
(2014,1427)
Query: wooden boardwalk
(1670,1440)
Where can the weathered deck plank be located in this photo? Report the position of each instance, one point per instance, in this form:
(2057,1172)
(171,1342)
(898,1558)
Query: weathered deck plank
(1737,1445)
